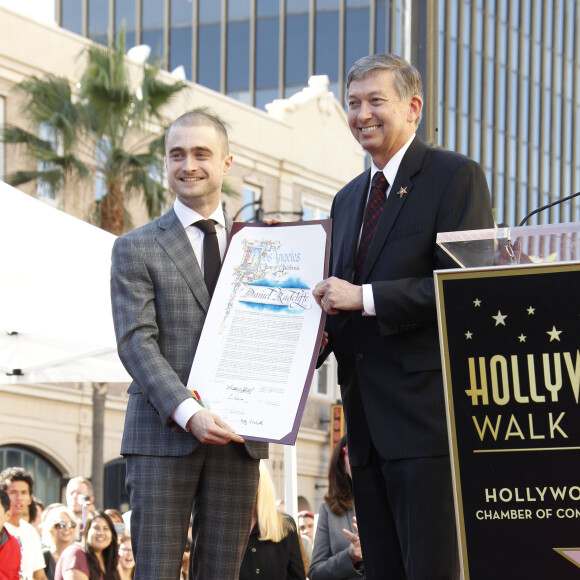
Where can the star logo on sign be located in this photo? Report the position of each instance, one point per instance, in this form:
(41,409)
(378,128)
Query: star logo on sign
(554,334)
(468,335)
(522,338)
(531,311)
(499,318)
(477,303)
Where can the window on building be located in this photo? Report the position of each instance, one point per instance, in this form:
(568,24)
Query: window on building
(265,96)
(180,35)
(126,15)
(152,20)
(326,39)
(98,21)
(358,20)
(296,52)
(382,23)
(48,481)
(44,191)
(71,15)
(324,384)
(100,185)
(313,209)
(209,49)
(322,380)
(250,195)
(238,51)
(267,52)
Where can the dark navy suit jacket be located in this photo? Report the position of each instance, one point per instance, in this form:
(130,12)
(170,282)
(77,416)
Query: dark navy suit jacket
(389,365)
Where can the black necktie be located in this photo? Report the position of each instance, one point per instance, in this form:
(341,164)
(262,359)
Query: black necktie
(211,254)
(373,212)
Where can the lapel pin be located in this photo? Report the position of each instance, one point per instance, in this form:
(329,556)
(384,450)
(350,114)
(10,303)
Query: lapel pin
(402,191)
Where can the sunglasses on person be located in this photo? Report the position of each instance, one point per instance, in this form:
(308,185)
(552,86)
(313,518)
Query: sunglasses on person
(63,525)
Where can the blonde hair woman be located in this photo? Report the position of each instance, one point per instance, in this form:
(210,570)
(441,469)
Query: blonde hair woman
(58,533)
(273,547)
(96,557)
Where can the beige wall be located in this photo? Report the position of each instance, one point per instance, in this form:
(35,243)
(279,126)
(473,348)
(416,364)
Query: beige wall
(56,420)
(301,147)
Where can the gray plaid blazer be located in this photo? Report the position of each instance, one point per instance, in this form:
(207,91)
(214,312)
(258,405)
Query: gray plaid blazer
(159,301)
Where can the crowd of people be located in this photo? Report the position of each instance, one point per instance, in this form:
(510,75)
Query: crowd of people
(71,541)
(75,541)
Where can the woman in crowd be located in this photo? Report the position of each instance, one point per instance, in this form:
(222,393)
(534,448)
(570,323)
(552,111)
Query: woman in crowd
(58,533)
(336,554)
(273,547)
(96,557)
(126,560)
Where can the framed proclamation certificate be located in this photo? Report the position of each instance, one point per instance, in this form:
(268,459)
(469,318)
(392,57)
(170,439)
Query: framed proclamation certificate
(260,341)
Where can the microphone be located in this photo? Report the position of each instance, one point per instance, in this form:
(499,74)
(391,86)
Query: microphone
(558,201)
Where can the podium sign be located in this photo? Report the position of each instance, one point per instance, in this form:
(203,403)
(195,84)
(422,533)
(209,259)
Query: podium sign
(511,354)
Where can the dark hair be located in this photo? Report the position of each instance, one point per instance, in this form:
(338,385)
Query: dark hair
(339,497)
(33,508)
(12,474)
(115,515)
(110,553)
(4,500)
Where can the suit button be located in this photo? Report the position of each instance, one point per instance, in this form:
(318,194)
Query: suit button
(253,549)
(359,356)
(257,570)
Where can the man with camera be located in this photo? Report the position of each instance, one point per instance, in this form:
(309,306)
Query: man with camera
(80,500)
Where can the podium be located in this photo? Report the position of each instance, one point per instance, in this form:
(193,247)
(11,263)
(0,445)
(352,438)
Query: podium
(509,323)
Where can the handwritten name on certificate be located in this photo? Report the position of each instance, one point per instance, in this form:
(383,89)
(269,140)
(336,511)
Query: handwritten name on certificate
(259,344)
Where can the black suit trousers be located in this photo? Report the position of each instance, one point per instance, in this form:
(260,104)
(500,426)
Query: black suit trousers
(406,518)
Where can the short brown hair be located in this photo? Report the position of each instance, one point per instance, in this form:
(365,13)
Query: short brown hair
(199,118)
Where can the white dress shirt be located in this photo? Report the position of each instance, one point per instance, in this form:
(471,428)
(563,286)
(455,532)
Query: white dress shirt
(390,172)
(187,217)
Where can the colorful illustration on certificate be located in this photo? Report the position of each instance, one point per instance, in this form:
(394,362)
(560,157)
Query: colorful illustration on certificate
(261,329)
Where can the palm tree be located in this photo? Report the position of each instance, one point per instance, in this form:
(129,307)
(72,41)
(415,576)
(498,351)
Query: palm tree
(100,133)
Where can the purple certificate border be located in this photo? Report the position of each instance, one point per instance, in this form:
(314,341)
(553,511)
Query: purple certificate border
(290,438)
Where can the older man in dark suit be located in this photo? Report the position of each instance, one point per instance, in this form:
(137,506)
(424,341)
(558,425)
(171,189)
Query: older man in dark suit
(383,323)
(180,456)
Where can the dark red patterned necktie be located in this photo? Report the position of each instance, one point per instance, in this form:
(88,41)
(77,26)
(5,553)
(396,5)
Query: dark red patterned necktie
(373,211)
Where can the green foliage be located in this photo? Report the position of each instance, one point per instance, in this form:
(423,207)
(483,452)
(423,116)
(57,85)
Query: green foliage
(98,132)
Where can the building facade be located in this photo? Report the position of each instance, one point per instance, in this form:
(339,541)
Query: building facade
(278,167)
(502,78)
(502,85)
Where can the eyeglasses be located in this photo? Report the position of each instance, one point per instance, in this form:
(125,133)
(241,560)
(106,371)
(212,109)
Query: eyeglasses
(63,525)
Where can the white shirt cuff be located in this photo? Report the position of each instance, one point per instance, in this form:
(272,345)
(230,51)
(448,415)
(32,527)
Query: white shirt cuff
(368,300)
(185,411)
